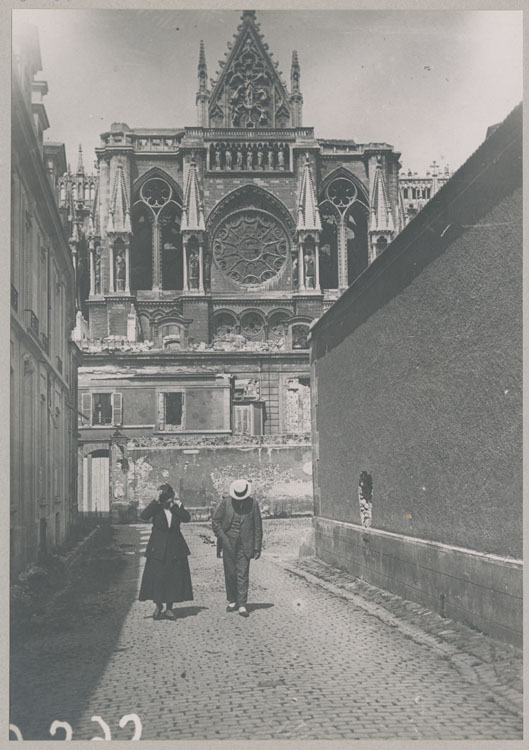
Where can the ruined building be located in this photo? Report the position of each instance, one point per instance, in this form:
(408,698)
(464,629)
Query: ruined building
(203,254)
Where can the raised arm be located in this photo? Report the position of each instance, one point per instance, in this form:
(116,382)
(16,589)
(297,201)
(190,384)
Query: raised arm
(150,510)
(180,512)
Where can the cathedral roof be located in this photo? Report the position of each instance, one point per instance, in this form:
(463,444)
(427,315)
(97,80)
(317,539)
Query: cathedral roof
(309,215)
(119,214)
(192,212)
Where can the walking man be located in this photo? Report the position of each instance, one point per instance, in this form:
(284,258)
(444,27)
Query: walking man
(237,523)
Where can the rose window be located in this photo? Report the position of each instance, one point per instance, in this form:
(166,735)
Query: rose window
(250,247)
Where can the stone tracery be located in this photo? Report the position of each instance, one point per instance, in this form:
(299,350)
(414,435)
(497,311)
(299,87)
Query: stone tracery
(250,247)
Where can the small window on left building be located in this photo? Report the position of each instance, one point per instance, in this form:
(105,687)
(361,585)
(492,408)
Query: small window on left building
(100,409)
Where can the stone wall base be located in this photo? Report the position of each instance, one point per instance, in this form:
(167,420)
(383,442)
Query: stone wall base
(480,590)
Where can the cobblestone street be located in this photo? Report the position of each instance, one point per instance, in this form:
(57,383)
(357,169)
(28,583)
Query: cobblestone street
(310,662)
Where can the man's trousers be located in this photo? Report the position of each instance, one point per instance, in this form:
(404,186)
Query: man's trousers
(236,571)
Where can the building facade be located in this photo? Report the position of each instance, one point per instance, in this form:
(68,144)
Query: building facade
(204,253)
(433,370)
(43,360)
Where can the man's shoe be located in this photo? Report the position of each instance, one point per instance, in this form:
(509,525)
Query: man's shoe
(243,612)
(156,615)
(170,614)
(231,607)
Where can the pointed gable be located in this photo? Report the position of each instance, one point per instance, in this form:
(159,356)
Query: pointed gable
(119,214)
(249,92)
(192,213)
(381,217)
(308,212)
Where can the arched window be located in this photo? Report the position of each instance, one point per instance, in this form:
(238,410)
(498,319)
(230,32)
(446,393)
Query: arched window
(253,326)
(344,215)
(300,334)
(224,324)
(141,248)
(171,239)
(277,325)
(156,243)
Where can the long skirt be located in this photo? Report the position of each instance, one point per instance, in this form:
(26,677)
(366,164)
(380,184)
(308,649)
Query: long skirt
(166,581)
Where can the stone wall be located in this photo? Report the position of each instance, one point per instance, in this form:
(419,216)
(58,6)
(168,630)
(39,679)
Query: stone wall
(280,474)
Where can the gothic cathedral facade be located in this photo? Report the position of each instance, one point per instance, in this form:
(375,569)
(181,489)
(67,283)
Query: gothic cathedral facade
(203,254)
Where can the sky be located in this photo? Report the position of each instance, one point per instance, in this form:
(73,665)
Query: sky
(427,82)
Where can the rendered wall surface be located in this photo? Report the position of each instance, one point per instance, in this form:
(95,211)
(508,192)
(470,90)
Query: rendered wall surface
(426,393)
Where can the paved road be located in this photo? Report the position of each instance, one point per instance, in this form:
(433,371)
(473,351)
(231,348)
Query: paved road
(306,664)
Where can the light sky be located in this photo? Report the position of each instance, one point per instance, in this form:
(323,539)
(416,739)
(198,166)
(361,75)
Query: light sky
(427,82)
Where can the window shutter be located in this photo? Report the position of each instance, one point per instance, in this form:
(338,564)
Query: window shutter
(86,408)
(117,408)
(161,411)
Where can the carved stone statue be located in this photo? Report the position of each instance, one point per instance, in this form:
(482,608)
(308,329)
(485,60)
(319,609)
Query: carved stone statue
(295,271)
(120,269)
(228,158)
(248,158)
(309,269)
(259,157)
(193,263)
(270,156)
(239,158)
(281,158)
(97,271)
(207,270)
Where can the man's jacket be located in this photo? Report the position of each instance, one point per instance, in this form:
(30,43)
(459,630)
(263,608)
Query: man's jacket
(251,531)
(166,542)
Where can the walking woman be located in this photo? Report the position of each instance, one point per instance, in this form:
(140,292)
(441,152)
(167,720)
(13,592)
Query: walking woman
(237,523)
(166,576)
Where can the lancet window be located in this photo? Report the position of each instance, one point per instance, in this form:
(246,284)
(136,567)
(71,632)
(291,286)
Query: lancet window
(156,246)
(343,245)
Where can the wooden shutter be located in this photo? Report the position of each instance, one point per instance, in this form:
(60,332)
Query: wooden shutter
(161,411)
(86,408)
(117,408)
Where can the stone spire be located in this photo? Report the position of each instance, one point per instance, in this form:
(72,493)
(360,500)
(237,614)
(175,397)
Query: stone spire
(382,226)
(80,166)
(308,212)
(193,210)
(202,97)
(119,213)
(381,214)
(296,97)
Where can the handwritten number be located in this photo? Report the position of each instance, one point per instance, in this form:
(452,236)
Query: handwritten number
(16,731)
(135,720)
(61,725)
(104,726)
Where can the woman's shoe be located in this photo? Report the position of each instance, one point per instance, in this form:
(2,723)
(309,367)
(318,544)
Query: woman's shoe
(243,612)
(231,607)
(156,615)
(170,614)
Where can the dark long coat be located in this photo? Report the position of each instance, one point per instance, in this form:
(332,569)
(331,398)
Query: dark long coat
(166,577)
(166,542)
(251,531)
